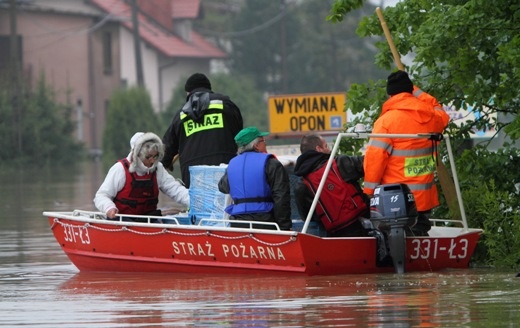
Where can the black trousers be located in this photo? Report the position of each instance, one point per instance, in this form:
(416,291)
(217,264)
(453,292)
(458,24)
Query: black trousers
(423,224)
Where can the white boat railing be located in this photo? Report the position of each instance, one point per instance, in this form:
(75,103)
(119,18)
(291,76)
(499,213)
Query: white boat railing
(365,135)
(220,224)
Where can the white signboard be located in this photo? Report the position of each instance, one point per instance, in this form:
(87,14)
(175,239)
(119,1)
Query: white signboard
(468,113)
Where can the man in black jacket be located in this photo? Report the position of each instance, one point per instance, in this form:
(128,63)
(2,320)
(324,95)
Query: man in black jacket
(314,155)
(202,131)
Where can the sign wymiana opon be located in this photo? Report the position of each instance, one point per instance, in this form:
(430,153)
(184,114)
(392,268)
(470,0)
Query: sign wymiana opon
(306,112)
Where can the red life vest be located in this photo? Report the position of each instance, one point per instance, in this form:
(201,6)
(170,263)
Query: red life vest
(140,194)
(340,203)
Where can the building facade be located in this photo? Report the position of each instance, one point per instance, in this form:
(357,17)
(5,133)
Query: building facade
(85,51)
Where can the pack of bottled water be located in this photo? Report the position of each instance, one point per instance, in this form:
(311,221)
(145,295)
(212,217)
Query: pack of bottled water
(207,203)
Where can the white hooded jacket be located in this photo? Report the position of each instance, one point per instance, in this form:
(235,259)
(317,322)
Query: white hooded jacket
(116,176)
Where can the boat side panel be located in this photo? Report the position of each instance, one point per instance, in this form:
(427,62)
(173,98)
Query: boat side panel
(340,255)
(436,253)
(161,249)
(106,246)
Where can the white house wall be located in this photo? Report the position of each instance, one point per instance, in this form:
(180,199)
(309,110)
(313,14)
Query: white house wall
(149,61)
(175,72)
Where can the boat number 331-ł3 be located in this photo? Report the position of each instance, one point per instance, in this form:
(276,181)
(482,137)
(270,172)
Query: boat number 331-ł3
(433,248)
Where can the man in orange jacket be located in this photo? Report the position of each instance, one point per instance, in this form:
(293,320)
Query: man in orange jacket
(401,160)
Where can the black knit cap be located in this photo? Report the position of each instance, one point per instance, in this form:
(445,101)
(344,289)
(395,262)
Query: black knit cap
(197,80)
(398,82)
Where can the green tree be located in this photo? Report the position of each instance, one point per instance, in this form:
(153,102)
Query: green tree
(129,111)
(246,96)
(490,184)
(267,34)
(330,57)
(288,47)
(216,22)
(466,54)
(33,125)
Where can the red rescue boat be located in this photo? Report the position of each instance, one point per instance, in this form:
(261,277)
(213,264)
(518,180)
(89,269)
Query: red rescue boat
(211,246)
(95,244)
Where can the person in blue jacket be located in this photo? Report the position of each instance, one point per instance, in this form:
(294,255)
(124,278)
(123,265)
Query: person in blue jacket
(258,183)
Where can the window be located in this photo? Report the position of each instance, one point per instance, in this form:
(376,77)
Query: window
(107,53)
(5,52)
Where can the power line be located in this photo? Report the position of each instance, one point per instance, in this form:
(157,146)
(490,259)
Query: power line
(65,34)
(249,31)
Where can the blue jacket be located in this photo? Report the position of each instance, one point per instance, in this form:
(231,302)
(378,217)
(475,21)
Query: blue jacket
(249,189)
(257,170)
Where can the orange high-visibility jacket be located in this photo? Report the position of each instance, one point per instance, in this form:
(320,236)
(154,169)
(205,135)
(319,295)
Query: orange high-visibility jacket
(403,160)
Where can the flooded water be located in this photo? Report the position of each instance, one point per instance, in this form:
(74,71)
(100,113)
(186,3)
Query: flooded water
(39,287)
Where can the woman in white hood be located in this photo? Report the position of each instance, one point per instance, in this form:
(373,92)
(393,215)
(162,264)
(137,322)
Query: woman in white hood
(132,184)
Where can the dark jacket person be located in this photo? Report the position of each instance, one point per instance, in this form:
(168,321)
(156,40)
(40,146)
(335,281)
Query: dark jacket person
(202,131)
(314,156)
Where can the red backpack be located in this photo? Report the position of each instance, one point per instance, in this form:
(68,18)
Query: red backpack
(340,203)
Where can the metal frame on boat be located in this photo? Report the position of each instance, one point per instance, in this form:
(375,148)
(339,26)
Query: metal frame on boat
(93,243)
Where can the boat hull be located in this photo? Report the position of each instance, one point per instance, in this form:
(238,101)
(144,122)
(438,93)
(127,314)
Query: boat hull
(100,245)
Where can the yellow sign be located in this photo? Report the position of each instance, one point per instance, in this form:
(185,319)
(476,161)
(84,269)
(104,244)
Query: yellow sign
(307,112)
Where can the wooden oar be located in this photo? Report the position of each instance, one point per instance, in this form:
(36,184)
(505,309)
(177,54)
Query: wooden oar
(445,179)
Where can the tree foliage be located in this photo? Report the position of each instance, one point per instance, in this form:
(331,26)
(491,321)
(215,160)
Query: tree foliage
(266,37)
(129,111)
(241,89)
(33,125)
(330,57)
(490,184)
(288,47)
(466,54)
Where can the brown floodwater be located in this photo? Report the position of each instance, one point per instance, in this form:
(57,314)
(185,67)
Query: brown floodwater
(39,287)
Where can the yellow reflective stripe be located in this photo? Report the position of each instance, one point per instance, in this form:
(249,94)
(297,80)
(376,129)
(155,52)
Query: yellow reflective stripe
(380,144)
(210,121)
(213,104)
(412,152)
(216,104)
(418,166)
(370,185)
(412,186)
(420,186)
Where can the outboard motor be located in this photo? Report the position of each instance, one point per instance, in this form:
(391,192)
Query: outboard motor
(392,210)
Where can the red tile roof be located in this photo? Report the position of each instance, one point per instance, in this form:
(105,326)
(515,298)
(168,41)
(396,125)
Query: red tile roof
(166,43)
(185,8)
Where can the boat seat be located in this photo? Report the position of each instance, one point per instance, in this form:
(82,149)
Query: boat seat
(312,229)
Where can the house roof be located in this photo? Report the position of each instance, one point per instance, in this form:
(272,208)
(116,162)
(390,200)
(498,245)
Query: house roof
(165,42)
(185,8)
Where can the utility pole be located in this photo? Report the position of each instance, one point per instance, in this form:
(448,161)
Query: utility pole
(137,46)
(14,75)
(283,47)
